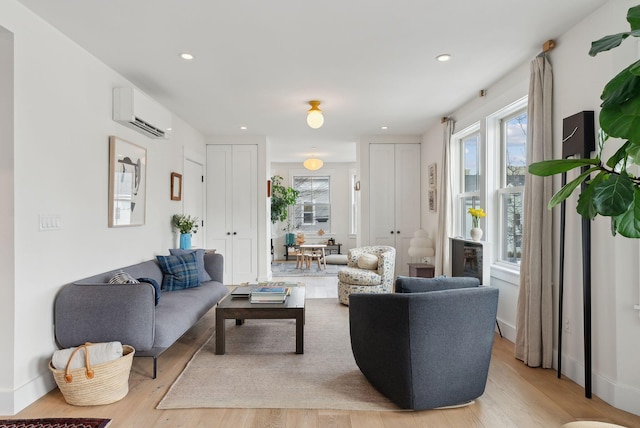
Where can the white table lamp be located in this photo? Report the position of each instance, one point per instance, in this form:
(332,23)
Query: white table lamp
(421,246)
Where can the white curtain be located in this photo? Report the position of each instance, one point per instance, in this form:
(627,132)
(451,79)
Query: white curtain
(445,204)
(534,322)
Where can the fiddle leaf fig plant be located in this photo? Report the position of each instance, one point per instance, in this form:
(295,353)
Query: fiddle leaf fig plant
(281,199)
(609,188)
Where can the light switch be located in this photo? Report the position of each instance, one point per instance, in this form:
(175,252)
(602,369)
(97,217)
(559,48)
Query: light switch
(50,222)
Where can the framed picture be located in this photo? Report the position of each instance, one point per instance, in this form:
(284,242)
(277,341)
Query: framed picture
(176,186)
(127,183)
(432,176)
(432,200)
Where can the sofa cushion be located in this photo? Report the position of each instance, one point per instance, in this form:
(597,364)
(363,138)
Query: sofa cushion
(180,272)
(368,261)
(202,273)
(156,287)
(356,276)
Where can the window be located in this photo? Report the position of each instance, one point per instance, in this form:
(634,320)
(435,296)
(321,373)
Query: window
(513,138)
(470,180)
(313,210)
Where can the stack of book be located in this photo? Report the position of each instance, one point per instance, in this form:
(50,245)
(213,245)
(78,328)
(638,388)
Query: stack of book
(269,294)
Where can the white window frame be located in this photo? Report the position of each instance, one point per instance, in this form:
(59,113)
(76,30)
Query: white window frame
(496,134)
(304,173)
(458,153)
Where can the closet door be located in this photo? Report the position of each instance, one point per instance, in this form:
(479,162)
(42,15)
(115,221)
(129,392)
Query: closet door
(394,212)
(407,206)
(232,227)
(382,194)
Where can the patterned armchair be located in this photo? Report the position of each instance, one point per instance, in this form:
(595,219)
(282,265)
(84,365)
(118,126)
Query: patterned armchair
(361,276)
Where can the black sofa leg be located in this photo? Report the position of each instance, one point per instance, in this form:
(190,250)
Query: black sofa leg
(155,366)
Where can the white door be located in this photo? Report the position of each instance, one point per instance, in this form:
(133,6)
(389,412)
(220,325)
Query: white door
(382,194)
(232,209)
(394,212)
(407,204)
(193,197)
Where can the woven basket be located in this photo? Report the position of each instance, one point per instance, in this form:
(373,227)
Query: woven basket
(95,385)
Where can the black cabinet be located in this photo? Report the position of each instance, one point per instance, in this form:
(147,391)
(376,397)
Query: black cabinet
(470,258)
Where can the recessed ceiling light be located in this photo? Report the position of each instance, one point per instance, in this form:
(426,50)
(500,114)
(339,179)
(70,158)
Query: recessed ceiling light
(186,56)
(244,128)
(443,57)
(384,128)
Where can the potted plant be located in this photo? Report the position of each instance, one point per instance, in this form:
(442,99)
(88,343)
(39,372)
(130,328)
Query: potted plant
(186,225)
(281,199)
(610,189)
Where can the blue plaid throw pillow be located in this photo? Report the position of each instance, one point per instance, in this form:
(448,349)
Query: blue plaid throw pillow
(180,272)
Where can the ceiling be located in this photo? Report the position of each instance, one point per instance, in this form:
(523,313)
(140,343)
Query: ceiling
(371,63)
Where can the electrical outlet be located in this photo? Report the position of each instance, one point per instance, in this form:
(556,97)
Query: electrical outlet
(567,326)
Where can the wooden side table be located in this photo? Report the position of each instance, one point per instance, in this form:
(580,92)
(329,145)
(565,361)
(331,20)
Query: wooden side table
(423,270)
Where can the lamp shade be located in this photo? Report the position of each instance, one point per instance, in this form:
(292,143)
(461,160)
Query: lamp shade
(313,164)
(315,119)
(421,245)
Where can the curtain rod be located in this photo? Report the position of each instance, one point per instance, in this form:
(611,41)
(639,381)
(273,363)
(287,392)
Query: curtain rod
(547,47)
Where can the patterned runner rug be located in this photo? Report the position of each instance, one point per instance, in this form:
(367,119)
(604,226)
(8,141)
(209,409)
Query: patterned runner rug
(55,423)
(261,369)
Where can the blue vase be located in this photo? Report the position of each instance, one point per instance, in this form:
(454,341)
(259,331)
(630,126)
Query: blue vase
(185,241)
(290,238)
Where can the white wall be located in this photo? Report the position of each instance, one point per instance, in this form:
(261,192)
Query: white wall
(7,258)
(340,201)
(60,166)
(578,82)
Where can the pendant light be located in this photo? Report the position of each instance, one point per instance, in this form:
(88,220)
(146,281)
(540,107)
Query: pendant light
(313,163)
(315,119)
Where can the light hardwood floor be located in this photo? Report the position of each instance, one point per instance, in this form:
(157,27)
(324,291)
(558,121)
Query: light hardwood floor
(516,396)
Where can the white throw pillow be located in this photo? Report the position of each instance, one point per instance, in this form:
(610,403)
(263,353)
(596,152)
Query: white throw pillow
(368,261)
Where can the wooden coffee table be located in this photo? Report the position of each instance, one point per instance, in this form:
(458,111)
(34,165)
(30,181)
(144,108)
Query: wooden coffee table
(242,309)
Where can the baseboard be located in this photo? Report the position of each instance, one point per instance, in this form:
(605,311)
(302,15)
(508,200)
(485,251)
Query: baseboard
(508,330)
(12,402)
(620,396)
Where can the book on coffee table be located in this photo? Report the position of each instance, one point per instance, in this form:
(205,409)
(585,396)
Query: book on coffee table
(269,294)
(241,293)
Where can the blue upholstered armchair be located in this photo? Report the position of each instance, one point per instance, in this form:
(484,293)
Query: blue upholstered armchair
(429,344)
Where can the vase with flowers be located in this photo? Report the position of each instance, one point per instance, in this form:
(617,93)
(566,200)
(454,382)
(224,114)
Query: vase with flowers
(476,215)
(186,225)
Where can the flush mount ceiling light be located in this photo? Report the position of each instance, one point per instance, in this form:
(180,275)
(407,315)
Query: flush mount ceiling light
(313,164)
(443,57)
(314,116)
(186,56)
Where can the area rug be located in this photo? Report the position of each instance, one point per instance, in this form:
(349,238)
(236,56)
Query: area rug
(289,269)
(260,368)
(55,423)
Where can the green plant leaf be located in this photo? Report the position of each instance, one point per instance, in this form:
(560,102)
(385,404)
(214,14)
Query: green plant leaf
(585,205)
(611,41)
(632,150)
(619,155)
(623,87)
(612,196)
(628,223)
(568,188)
(623,121)
(556,166)
(633,17)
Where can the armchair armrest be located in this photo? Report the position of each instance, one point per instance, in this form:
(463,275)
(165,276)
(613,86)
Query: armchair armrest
(104,313)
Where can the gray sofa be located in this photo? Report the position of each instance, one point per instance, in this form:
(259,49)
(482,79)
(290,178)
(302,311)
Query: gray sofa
(429,344)
(91,310)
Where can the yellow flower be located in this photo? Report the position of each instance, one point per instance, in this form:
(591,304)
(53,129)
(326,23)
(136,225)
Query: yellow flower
(476,214)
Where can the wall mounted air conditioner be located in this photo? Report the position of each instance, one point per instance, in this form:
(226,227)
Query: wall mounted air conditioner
(136,110)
